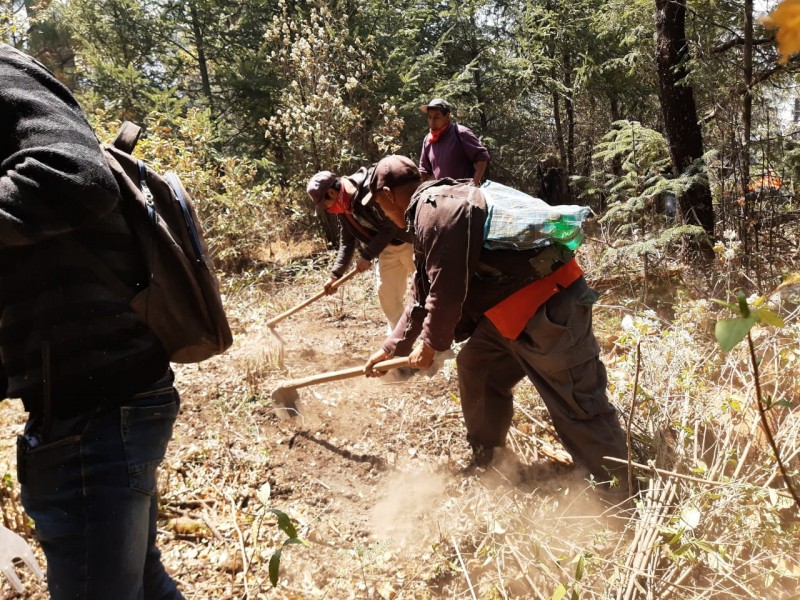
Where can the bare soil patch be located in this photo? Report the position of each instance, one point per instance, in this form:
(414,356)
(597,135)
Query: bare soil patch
(373,474)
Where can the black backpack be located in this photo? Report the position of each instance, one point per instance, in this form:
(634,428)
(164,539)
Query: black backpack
(181,303)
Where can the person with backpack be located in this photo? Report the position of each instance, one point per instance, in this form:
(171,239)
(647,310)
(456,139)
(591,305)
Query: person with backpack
(363,225)
(522,312)
(93,378)
(449,149)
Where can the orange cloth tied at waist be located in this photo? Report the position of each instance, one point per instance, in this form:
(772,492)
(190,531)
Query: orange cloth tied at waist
(511,315)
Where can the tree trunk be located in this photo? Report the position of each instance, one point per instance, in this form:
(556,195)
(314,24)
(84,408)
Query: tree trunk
(679,110)
(747,122)
(202,62)
(570,109)
(562,149)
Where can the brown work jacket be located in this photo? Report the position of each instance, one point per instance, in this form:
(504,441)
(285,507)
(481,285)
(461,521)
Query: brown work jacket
(457,279)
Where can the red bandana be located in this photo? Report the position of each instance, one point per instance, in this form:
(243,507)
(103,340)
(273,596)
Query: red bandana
(342,204)
(436,134)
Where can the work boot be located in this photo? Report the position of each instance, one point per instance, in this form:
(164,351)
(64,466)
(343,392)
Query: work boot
(482,456)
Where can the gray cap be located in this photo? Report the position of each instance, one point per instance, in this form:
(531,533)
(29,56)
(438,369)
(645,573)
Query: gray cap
(319,184)
(438,103)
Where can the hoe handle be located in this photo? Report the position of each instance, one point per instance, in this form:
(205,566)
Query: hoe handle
(385,365)
(275,320)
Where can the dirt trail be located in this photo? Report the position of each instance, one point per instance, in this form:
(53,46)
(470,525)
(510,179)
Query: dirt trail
(372,474)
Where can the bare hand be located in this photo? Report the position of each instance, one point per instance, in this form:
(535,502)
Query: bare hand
(377,357)
(362,264)
(328,289)
(421,356)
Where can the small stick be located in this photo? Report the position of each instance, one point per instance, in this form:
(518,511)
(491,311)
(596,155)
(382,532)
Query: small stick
(242,547)
(630,417)
(665,472)
(463,566)
(211,526)
(523,568)
(765,424)
(679,475)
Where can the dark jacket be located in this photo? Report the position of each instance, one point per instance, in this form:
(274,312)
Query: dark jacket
(367,225)
(58,199)
(457,279)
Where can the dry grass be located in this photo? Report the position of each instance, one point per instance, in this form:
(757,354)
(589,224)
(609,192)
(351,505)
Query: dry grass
(715,523)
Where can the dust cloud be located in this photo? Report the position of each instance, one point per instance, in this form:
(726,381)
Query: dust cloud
(404,515)
(536,503)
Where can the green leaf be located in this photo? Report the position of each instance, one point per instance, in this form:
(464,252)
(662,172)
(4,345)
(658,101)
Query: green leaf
(768,317)
(730,332)
(732,307)
(294,540)
(560,592)
(580,569)
(743,308)
(705,546)
(274,567)
(783,403)
(263,493)
(284,523)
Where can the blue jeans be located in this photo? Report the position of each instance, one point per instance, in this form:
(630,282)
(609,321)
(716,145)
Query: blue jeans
(92,493)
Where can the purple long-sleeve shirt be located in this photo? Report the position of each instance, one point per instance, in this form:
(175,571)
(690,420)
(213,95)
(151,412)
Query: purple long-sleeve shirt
(453,155)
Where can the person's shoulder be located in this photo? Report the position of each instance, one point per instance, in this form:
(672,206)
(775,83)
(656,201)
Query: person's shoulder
(444,205)
(22,63)
(9,54)
(463,129)
(360,177)
(443,188)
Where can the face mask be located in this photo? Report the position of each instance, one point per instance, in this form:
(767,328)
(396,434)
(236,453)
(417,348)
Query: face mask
(342,204)
(435,133)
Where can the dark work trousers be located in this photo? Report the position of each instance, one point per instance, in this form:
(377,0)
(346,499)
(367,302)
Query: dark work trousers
(558,352)
(92,494)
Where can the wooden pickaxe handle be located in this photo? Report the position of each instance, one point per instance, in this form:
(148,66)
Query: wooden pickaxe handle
(275,320)
(385,365)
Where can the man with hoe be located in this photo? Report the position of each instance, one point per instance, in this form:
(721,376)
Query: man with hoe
(525,313)
(362,224)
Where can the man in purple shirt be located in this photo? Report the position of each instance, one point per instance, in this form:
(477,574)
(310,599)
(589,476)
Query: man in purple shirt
(449,149)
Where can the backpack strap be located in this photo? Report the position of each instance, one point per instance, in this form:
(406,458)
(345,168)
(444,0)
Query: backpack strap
(127,137)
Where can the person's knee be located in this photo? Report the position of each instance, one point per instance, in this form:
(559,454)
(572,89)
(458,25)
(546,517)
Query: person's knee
(468,361)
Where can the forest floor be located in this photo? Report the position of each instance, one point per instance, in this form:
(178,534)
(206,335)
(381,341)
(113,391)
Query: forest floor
(374,474)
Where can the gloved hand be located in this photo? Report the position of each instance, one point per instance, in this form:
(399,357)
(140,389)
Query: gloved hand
(12,546)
